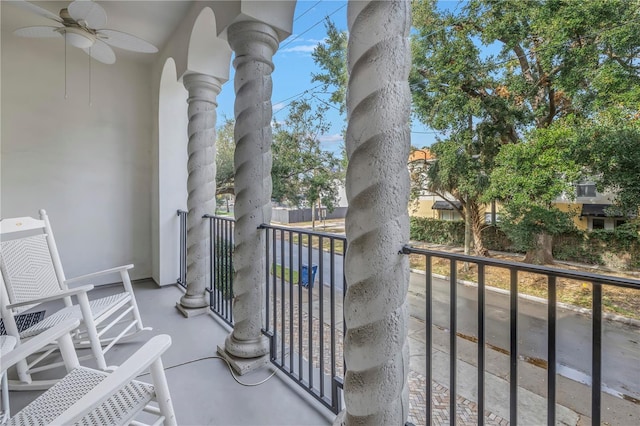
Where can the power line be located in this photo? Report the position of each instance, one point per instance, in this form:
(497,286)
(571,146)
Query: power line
(312,27)
(304,13)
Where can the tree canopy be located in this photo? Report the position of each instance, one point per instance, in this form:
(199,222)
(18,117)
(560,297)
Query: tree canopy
(535,75)
(302,172)
(225,147)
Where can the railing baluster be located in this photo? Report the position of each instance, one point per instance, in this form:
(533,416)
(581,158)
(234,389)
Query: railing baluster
(274,275)
(551,351)
(453,352)
(513,351)
(481,342)
(310,296)
(428,332)
(596,353)
(321,310)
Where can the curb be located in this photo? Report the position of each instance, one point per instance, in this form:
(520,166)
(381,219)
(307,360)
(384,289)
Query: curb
(583,311)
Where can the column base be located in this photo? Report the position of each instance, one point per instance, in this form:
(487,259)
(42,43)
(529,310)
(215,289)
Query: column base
(243,365)
(191,312)
(194,302)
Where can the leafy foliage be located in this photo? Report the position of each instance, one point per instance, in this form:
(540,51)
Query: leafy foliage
(225,147)
(331,56)
(609,150)
(302,172)
(436,231)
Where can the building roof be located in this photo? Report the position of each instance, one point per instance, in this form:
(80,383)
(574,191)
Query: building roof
(445,205)
(421,155)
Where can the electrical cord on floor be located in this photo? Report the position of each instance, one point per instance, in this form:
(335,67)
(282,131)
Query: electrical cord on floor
(228,365)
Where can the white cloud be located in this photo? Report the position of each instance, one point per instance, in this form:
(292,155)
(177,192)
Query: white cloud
(277,107)
(303,48)
(337,137)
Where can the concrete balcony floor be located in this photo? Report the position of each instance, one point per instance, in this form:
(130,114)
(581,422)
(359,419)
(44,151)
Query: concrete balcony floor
(203,390)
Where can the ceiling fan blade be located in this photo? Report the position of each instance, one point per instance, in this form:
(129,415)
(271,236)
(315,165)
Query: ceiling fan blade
(90,12)
(37,10)
(38,32)
(126,41)
(101,52)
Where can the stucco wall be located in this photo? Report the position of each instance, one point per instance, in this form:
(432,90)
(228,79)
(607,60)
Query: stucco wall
(88,166)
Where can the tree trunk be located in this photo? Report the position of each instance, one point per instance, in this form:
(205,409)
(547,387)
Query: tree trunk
(542,253)
(467,233)
(313,216)
(477,225)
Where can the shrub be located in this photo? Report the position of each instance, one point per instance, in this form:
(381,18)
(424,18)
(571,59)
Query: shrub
(437,231)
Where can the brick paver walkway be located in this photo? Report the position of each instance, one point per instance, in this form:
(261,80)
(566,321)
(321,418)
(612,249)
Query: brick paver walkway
(466,410)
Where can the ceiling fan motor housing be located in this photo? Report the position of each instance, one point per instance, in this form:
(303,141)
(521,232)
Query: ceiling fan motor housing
(78,37)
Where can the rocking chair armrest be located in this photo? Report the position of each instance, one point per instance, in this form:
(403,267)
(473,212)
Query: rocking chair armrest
(65,293)
(38,342)
(126,373)
(98,274)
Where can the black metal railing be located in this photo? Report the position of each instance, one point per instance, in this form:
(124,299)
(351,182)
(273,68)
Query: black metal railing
(182,279)
(552,276)
(221,262)
(304,291)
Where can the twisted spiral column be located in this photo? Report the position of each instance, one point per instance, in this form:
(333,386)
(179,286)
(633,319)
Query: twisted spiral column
(201,183)
(254,44)
(377,224)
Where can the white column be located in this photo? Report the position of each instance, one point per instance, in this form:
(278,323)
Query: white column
(254,44)
(376,348)
(201,185)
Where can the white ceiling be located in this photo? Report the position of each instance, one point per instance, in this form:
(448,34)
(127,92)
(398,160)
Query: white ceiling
(151,20)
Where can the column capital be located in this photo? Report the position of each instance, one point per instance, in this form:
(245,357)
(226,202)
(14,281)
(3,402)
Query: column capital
(202,87)
(245,37)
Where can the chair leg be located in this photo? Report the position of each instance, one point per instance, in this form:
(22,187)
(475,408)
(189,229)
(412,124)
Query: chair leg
(5,413)
(126,281)
(92,333)
(163,397)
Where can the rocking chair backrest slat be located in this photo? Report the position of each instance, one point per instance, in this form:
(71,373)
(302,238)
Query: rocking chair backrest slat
(28,269)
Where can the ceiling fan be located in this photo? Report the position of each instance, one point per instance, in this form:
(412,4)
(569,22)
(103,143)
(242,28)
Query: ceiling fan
(82,27)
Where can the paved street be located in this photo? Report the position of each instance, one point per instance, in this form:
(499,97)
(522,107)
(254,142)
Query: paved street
(621,343)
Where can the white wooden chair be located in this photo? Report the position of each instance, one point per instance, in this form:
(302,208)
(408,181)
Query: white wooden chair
(32,274)
(86,396)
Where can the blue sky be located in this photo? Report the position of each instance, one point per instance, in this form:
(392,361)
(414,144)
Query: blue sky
(294,66)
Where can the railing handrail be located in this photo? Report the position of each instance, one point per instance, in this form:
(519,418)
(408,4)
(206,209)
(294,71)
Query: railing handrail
(212,216)
(538,269)
(304,231)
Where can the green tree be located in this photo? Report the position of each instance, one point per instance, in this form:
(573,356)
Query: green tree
(225,147)
(303,174)
(519,66)
(456,171)
(529,176)
(331,57)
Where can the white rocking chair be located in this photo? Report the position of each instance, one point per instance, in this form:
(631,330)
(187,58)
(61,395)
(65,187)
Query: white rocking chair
(86,396)
(32,274)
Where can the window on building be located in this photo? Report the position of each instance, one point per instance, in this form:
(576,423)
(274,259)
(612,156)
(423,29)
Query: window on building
(487,217)
(597,224)
(620,222)
(586,190)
